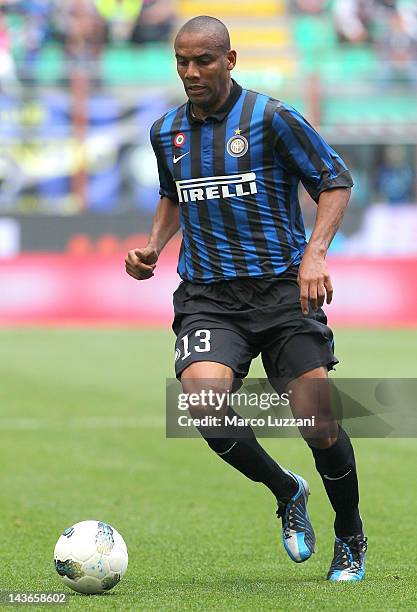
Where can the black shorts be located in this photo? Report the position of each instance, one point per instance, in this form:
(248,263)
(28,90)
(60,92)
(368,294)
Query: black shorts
(232,322)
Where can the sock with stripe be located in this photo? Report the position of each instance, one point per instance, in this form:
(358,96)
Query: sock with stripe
(244,453)
(337,468)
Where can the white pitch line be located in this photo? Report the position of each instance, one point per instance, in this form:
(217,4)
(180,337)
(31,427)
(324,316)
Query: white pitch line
(93,422)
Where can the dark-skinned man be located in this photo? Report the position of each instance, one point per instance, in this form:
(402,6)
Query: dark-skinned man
(230,162)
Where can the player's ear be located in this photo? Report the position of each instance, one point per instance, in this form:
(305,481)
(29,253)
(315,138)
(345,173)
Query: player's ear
(231,59)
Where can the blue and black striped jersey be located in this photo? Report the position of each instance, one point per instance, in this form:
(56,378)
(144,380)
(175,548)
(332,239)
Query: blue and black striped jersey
(235,177)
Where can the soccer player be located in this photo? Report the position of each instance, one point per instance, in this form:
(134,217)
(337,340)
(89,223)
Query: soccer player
(230,161)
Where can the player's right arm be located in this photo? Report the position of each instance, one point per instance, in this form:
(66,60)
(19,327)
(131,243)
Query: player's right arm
(141,262)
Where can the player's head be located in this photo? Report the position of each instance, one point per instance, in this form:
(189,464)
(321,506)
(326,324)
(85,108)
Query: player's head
(204,60)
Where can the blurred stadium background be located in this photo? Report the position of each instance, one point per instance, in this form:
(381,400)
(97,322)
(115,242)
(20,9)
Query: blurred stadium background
(81,82)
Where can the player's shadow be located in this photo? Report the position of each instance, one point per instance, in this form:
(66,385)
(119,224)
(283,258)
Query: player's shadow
(75,595)
(245,585)
(239,584)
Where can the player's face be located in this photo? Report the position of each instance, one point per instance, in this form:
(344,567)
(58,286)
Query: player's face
(203,69)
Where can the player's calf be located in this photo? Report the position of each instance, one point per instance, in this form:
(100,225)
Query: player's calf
(234,444)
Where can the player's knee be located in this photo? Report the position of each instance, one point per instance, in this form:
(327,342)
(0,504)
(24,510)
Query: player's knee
(219,373)
(208,401)
(321,430)
(208,386)
(311,403)
(206,396)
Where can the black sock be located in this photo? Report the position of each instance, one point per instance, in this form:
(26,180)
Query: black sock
(243,452)
(337,468)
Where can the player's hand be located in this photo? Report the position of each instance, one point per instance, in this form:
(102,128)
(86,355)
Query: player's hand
(314,281)
(140,263)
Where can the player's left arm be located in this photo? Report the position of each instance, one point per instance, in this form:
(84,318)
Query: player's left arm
(313,275)
(328,181)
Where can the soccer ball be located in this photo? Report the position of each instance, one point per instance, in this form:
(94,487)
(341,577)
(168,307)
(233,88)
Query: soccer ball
(90,557)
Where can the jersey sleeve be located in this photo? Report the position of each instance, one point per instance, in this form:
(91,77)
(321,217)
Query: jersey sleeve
(306,154)
(167,187)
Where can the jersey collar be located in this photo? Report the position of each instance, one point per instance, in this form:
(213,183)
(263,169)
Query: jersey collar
(223,111)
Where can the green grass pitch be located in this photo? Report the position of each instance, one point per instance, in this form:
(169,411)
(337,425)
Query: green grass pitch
(82,436)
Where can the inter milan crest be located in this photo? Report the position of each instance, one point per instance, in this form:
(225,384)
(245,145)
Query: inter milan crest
(179,139)
(237,145)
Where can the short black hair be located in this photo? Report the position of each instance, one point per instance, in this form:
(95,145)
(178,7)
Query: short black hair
(214,28)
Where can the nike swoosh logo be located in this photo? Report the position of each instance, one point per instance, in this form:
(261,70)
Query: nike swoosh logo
(177,159)
(338,477)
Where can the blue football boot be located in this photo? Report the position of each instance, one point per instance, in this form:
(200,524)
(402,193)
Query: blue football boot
(348,559)
(297,530)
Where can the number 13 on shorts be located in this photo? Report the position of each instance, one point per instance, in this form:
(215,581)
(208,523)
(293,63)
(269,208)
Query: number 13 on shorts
(198,341)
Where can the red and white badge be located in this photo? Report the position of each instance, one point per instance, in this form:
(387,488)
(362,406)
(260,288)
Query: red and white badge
(179,139)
